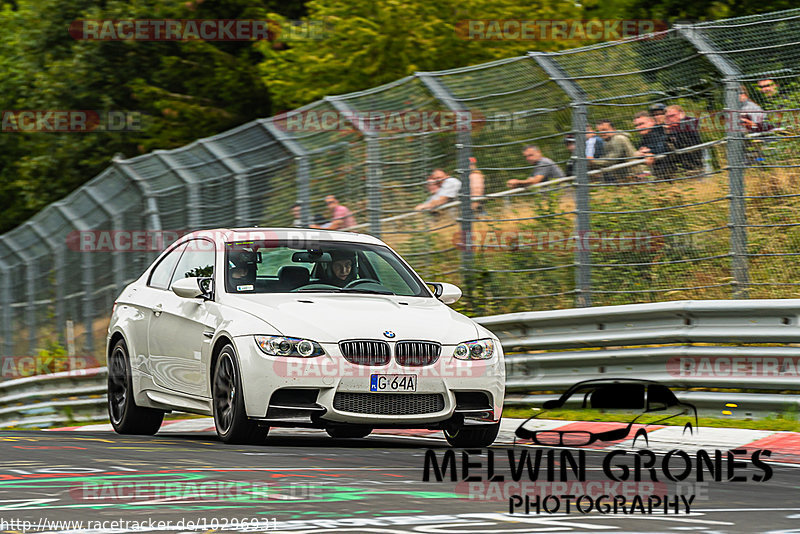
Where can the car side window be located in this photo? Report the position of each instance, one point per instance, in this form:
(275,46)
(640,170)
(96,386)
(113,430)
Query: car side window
(197,260)
(162,273)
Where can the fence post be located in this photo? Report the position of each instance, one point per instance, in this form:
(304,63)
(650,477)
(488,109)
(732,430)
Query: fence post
(735,152)
(463,154)
(583,224)
(373,182)
(5,312)
(87,273)
(303,174)
(151,213)
(30,291)
(242,207)
(58,265)
(193,205)
(738,214)
(117,259)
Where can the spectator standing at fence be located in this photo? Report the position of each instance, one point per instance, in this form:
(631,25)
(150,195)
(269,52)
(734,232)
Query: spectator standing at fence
(594,149)
(297,214)
(544,169)
(341,217)
(476,188)
(652,142)
(569,140)
(658,111)
(443,188)
(683,132)
(594,144)
(751,115)
(771,96)
(618,149)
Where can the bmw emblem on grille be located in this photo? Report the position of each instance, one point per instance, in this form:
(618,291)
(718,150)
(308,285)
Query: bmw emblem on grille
(389,334)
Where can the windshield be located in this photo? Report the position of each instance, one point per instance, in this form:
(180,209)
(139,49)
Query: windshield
(322,267)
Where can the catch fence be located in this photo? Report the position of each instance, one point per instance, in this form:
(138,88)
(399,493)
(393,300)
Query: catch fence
(715,216)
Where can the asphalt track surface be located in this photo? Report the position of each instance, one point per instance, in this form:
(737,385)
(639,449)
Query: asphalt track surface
(307,482)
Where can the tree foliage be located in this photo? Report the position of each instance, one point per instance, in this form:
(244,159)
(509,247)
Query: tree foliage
(183,90)
(186,90)
(372,42)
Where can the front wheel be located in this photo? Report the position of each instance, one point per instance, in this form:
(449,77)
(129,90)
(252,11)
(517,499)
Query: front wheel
(472,437)
(125,416)
(230,417)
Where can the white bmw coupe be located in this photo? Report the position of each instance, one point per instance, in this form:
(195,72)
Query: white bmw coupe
(282,327)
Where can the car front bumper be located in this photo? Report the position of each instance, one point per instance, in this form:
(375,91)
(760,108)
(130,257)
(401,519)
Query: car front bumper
(343,386)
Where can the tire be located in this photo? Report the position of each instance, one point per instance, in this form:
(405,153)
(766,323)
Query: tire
(230,417)
(348,431)
(125,416)
(477,437)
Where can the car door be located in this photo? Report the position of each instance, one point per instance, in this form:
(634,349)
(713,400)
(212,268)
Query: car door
(180,328)
(144,299)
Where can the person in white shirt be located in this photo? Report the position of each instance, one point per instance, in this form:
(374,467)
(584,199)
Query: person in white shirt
(443,189)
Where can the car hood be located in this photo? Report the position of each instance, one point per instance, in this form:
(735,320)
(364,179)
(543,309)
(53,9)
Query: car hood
(329,318)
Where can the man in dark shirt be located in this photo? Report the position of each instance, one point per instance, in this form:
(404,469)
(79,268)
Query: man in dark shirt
(653,142)
(683,132)
(544,169)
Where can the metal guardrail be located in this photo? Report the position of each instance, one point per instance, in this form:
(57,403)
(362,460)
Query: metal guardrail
(69,396)
(683,344)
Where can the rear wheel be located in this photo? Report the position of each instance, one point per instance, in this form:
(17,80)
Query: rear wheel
(348,431)
(125,416)
(230,417)
(472,437)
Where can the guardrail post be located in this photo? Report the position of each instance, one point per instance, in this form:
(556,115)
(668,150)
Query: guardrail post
(302,171)
(373,182)
(583,256)
(463,154)
(735,152)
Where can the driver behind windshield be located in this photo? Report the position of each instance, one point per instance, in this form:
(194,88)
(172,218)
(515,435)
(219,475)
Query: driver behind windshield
(342,268)
(241,270)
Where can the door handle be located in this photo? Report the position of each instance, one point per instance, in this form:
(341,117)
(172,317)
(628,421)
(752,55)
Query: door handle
(157,310)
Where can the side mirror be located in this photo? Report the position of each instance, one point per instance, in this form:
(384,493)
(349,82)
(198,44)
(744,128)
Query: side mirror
(447,293)
(188,288)
(551,404)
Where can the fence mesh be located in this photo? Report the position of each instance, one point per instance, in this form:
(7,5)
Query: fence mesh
(678,153)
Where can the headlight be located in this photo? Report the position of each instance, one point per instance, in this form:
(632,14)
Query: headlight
(289,346)
(482,349)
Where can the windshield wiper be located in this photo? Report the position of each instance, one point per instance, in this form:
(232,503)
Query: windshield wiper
(316,290)
(369,291)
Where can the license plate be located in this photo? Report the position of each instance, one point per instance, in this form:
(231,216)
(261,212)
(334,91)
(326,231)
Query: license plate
(393,383)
